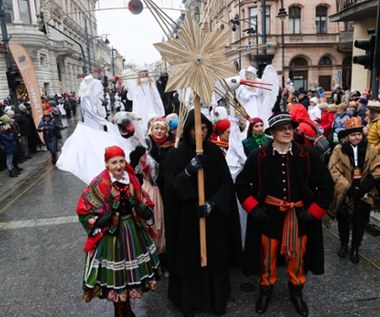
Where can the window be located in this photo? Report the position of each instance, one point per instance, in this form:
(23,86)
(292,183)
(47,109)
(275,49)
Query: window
(24,11)
(8,11)
(325,61)
(321,20)
(267,19)
(253,18)
(295,20)
(43,60)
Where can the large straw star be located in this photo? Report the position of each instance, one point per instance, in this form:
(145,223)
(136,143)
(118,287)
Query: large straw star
(197,59)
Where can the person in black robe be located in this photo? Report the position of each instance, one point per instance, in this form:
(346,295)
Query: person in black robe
(192,287)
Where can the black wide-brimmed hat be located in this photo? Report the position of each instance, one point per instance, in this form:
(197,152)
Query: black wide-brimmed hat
(279,119)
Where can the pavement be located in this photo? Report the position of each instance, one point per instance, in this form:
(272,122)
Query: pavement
(344,290)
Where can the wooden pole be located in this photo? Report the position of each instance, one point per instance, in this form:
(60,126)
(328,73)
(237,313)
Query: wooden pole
(201,188)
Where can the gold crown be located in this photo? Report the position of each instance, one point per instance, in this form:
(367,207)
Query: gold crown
(354,122)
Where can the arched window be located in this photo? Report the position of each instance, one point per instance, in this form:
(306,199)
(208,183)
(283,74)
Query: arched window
(325,61)
(295,20)
(321,19)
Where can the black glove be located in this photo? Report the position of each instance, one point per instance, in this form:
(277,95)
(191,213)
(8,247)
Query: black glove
(367,184)
(135,155)
(103,220)
(304,217)
(259,214)
(355,192)
(196,163)
(144,212)
(205,209)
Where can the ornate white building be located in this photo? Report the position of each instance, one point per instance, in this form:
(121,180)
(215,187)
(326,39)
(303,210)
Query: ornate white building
(67,52)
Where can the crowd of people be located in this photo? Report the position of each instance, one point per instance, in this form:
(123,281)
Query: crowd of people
(20,139)
(265,190)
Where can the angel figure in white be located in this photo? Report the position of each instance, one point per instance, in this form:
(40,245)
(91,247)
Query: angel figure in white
(146,100)
(90,93)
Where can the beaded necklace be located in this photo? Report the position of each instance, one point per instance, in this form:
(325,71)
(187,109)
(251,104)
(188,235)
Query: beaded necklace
(123,189)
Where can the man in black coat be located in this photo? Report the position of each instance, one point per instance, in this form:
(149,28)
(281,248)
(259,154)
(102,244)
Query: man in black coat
(286,190)
(192,287)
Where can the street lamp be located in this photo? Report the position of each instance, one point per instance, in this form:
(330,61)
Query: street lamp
(282,14)
(90,39)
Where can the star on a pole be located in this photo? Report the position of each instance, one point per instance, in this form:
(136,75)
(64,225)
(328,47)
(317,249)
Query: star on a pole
(197,59)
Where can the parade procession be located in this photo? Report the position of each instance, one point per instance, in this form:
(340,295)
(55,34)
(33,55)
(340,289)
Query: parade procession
(190,158)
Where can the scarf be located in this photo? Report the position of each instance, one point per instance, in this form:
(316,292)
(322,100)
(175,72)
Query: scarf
(289,243)
(260,139)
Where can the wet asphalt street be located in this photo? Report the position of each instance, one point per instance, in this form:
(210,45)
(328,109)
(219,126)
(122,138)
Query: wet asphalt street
(41,260)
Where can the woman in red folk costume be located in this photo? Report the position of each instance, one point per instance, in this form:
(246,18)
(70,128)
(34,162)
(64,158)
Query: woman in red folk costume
(121,258)
(221,134)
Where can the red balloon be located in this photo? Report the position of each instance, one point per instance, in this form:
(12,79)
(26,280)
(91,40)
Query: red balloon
(135,6)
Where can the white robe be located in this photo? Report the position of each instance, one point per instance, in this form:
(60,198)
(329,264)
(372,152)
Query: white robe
(147,102)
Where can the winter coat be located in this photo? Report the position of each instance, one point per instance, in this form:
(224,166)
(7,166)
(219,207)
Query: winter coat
(7,140)
(374,133)
(306,128)
(327,118)
(341,166)
(314,186)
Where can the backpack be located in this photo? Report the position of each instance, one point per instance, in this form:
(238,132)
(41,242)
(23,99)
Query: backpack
(320,143)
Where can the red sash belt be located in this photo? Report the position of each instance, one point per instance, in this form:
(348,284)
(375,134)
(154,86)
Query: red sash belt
(289,244)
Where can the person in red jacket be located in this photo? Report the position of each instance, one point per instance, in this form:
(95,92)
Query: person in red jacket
(306,131)
(327,118)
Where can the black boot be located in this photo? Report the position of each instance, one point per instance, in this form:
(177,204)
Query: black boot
(344,234)
(354,255)
(343,250)
(12,174)
(264,299)
(295,292)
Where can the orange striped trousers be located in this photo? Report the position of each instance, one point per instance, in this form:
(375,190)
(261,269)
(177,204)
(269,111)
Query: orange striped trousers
(295,265)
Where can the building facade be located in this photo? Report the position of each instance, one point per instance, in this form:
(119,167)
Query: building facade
(364,16)
(61,38)
(306,47)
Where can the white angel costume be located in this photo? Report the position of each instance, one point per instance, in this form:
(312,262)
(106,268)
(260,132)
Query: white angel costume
(236,158)
(146,100)
(83,152)
(259,102)
(92,110)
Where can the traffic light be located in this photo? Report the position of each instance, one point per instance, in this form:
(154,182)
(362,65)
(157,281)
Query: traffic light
(369,46)
(41,23)
(12,81)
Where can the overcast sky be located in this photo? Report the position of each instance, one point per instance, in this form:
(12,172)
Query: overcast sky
(133,35)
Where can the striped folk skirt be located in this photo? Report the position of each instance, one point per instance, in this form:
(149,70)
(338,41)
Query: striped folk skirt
(122,266)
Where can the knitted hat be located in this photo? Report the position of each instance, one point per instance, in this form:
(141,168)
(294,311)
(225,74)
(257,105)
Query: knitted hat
(221,126)
(363,101)
(314,99)
(173,124)
(256,120)
(21,107)
(280,119)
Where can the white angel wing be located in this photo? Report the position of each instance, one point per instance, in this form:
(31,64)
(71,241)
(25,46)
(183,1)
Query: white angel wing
(269,97)
(235,160)
(235,156)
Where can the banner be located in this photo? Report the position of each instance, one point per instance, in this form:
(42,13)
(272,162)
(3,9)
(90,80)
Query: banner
(26,68)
